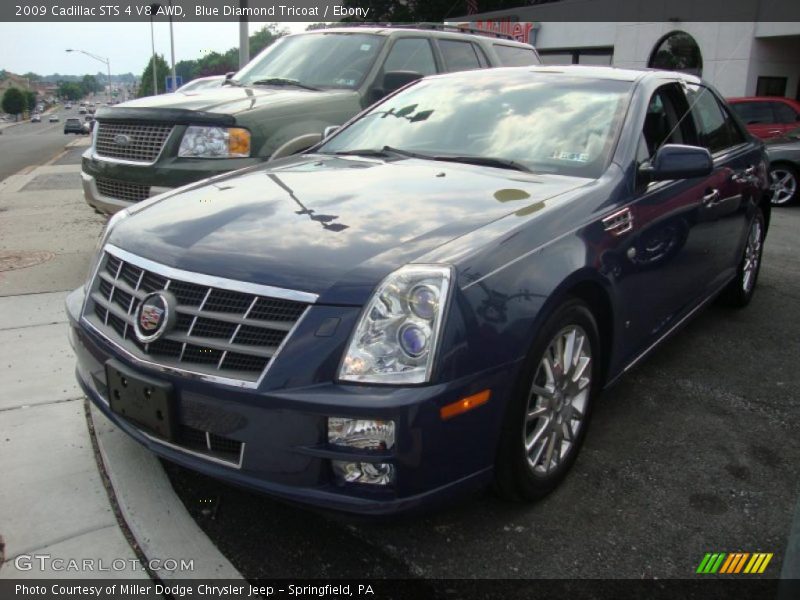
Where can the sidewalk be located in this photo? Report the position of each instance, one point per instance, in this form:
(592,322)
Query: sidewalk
(52,492)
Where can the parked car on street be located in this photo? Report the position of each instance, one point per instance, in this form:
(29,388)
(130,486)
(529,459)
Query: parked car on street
(426,301)
(277,105)
(73,125)
(53,118)
(202,83)
(68,105)
(784,167)
(767,116)
(36,118)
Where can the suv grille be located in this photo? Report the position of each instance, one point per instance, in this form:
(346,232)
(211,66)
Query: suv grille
(122,190)
(216,331)
(142,142)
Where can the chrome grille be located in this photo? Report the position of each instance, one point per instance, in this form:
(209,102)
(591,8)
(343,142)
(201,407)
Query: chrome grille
(122,190)
(144,140)
(217,331)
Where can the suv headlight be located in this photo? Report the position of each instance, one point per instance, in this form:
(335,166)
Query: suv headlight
(215,142)
(395,339)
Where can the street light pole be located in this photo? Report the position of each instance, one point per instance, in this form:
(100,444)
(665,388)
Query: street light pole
(172,49)
(106,61)
(153,43)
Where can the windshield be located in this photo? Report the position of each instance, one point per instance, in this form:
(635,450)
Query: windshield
(318,60)
(542,122)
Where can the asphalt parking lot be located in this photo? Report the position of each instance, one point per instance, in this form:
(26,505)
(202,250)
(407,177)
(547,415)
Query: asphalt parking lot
(694,451)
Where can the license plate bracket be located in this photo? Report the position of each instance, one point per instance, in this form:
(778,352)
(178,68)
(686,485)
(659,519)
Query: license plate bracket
(144,401)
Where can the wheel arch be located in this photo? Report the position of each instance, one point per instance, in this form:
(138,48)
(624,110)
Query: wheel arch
(589,287)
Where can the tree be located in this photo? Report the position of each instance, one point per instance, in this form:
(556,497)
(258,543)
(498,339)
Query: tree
(30,99)
(90,84)
(264,37)
(315,26)
(70,90)
(162,70)
(13,101)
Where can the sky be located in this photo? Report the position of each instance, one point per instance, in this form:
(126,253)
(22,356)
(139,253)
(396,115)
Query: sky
(40,47)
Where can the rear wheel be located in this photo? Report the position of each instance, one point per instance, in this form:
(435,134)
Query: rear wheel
(740,291)
(547,420)
(783,184)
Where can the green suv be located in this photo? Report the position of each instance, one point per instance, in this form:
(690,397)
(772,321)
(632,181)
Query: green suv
(279,104)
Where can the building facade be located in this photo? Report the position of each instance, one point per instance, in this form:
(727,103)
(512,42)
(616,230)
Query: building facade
(740,58)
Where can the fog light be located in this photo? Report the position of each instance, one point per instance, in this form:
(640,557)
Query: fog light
(361,433)
(360,472)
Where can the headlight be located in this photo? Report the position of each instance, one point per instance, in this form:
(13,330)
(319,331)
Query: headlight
(215,142)
(101,242)
(395,340)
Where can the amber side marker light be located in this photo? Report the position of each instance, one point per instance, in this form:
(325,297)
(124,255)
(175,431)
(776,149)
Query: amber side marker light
(465,404)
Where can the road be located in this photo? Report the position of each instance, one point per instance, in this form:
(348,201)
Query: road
(32,144)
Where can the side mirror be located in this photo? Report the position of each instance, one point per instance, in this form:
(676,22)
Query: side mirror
(394,80)
(676,161)
(329,131)
(229,75)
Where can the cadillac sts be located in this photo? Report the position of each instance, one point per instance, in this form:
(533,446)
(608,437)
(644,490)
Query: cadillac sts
(432,298)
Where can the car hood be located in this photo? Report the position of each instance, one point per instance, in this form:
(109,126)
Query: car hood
(326,225)
(232,99)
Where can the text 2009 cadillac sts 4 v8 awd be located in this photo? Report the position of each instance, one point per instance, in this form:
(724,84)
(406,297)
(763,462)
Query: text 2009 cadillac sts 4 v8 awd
(432,297)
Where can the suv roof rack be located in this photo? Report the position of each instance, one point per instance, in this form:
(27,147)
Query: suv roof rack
(433,26)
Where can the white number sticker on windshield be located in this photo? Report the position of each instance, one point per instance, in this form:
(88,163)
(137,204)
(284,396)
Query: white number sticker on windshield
(365,47)
(573,156)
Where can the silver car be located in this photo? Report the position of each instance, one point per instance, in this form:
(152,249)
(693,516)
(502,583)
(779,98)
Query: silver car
(784,167)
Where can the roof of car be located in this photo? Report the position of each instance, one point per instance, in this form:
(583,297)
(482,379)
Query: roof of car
(451,31)
(762,99)
(582,71)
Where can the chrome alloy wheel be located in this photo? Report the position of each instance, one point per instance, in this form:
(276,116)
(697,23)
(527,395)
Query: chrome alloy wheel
(557,400)
(783,185)
(752,256)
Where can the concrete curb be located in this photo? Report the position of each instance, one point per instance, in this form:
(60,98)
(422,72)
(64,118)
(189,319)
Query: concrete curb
(154,514)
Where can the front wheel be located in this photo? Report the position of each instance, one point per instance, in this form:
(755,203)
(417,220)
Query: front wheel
(740,291)
(547,420)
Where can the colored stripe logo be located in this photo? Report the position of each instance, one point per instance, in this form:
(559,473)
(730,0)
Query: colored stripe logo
(734,563)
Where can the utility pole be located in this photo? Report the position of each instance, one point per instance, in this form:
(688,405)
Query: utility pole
(244,37)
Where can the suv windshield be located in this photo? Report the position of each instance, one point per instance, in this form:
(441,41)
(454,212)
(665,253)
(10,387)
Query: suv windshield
(316,60)
(540,122)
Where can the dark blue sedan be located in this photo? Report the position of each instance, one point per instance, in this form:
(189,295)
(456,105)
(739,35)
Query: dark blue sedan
(432,298)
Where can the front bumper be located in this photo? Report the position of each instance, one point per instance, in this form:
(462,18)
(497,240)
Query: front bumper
(282,433)
(166,174)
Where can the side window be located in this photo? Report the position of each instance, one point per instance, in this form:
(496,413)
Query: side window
(411,54)
(715,129)
(662,123)
(515,56)
(753,113)
(784,113)
(459,56)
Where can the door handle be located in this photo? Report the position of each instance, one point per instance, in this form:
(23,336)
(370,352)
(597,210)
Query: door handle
(744,176)
(711,198)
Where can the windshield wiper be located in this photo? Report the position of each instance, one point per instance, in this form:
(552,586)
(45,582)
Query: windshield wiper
(486,161)
(383,152)
(283,81)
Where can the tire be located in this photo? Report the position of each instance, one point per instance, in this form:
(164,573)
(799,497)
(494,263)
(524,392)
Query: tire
(543,415)
(784,184)
(740,291)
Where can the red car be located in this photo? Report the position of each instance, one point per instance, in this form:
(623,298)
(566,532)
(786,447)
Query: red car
(767,116)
